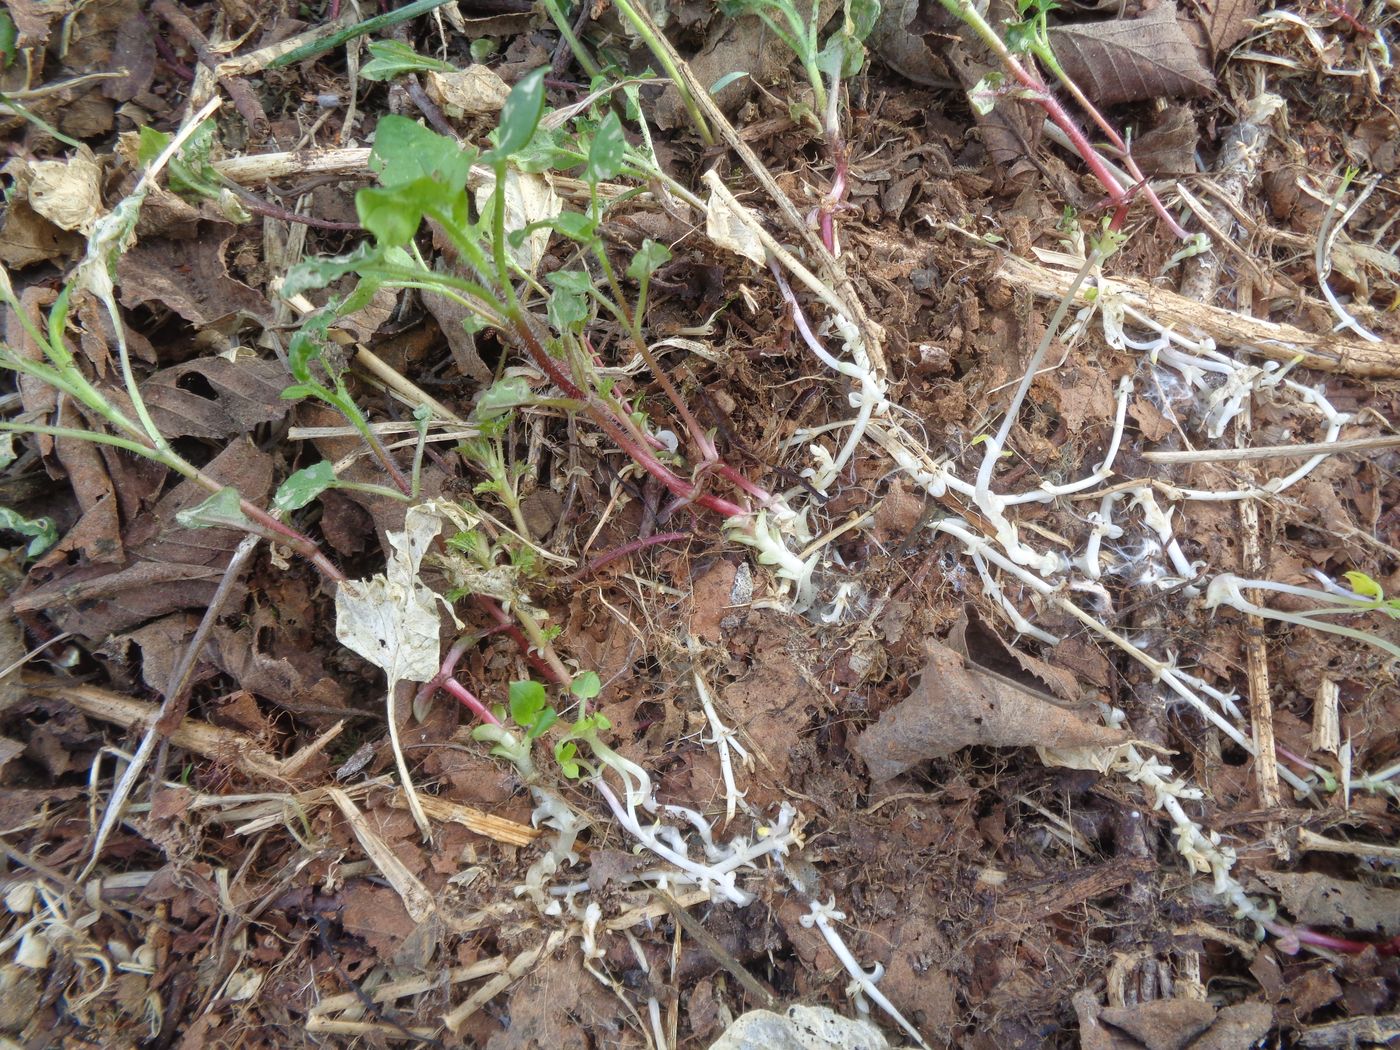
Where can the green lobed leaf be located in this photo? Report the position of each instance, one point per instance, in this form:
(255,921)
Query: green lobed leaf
(586,686)
(527,700)
(1363,585)
(405,151)
(9,37)
(568,306)
(304,486)
(312,274)
(520,116)
(391,58)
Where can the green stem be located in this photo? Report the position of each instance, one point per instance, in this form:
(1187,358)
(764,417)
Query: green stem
(646,29)
(585,60)
(341,36)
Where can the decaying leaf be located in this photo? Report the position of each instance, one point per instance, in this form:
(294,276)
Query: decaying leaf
(392,621)
(67,192)
(1317,899)
(1128,60)
(529,198)
(953,707)
(725,226)
(1222,23)
(214,397)
(473,91)
(188,275)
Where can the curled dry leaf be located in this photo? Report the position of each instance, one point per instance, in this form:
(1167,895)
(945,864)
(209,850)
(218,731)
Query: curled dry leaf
(953,707)
(67,192)
(530,198)
(1132,60)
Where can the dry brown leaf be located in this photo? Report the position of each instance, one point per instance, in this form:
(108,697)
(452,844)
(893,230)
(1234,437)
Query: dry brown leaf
(1128,61)
(985,651)
(1223,23)
(953,707)
(68,192)
(1168,148)
(213,397)
(28,238)
(1315,899)
(188,275)
(474,91)
(165,568)
(1164,1024)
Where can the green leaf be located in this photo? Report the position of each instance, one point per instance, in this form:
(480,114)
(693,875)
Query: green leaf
(568,304)
(527,700)
(297,391)
(150,144)
(405,151)
(392,59)
(1364,585)
(566,754)
(574,225)
(483,47)
(841,57)
(724,81)
(503,396)
(318,273)
(546,719)
(863,15)
(304,351)
(42,531)
(606,153)
(586,685)
(219,511)
(190,172)
(548,150)
(649,258)
(304,486)
(520,116)
(9,36)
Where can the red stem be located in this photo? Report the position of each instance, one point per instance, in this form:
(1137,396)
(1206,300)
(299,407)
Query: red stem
(1303,935)
(622,552)
(837,194)
(1116,195)
(615,430)
(299,542)
(470,702)
(509,626)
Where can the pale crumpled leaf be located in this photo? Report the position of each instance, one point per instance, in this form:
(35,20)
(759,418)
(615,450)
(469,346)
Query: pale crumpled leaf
(475,91)
(725,226)
(529,198)
(392,621)
(68,192)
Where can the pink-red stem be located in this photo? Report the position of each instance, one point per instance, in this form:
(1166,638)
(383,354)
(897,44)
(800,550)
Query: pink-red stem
(622,552)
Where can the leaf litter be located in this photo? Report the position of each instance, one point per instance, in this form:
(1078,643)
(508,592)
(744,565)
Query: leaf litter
(964,826)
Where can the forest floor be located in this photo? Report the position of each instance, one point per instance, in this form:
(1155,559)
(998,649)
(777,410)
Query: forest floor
(1005,716)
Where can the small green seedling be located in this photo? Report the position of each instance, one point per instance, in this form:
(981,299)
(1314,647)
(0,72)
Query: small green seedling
(390,59)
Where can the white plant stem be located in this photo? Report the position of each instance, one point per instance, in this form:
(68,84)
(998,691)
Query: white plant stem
(862,981)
